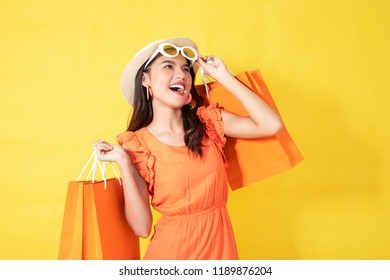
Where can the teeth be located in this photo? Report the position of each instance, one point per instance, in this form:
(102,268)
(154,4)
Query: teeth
(177,87)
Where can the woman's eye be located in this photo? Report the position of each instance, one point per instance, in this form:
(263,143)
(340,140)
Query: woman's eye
(168,66)
(186,69)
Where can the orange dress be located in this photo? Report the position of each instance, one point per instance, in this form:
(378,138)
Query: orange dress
(190,192)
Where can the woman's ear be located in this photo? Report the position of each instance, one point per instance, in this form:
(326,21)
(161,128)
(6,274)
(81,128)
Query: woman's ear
(145,79)
(189,98)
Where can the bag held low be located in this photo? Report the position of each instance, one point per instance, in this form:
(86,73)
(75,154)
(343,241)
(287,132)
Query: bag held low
(94,225)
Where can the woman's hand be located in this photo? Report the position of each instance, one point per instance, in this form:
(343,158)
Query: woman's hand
(213,66)
(108,152)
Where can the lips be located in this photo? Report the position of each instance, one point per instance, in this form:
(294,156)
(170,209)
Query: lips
(177,87)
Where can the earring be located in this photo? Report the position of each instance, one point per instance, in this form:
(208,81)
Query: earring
(192,104)
(147,93)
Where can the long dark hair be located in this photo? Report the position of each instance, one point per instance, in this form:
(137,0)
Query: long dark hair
(143,113)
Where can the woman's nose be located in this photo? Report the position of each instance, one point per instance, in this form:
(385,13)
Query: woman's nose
(179,74)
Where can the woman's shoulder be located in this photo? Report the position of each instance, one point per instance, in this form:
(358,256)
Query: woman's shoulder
(142,158)
(209,112)
(211,116)
(126,136)
(130,139)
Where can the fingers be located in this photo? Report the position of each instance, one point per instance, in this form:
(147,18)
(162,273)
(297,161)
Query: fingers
(203,64)
(97,142)
(208,59)
(102,147)
(213,66)
(203,60)
(209,63)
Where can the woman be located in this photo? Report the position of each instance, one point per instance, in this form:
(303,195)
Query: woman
(173,152)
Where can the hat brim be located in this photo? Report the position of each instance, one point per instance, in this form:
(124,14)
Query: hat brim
(132,68)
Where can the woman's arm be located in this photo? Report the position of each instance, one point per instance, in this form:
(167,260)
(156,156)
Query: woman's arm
(262,120)
(136,193)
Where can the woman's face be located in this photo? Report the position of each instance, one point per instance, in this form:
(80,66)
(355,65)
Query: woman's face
(170,81)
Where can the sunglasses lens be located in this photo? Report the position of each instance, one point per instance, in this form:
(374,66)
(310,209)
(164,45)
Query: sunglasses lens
(189,53)
(170,50)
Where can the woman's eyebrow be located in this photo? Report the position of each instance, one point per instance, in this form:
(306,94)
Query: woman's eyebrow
(173,62)
(168,61)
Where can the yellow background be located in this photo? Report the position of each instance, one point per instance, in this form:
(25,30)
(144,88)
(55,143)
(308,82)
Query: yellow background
(325,62)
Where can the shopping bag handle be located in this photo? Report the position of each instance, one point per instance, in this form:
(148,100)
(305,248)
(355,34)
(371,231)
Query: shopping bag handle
(102,168)
(204,77)
(203,74)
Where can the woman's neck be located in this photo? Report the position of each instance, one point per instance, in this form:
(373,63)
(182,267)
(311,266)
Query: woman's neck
(167,125)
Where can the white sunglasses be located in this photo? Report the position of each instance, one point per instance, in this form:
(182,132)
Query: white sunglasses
(170,50)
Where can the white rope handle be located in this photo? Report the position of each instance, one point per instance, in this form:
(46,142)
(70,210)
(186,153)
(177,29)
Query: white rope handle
(85,166)
(102,168)
(204,82)
(204,77)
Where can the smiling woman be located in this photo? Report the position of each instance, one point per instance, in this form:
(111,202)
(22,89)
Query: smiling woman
(173,150)
(175,74)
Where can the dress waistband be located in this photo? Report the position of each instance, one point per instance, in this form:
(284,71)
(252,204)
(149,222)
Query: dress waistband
(181,216)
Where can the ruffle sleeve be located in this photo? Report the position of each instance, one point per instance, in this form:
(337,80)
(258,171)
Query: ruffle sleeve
(141,156)
(211,116)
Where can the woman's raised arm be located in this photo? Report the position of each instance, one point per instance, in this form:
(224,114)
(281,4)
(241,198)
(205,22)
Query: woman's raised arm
(262,120)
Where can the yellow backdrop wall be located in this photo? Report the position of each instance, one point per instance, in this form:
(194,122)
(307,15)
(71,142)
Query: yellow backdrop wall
(325,62)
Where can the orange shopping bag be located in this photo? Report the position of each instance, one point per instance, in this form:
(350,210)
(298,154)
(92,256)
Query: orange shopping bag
(252,160)
(94,225)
